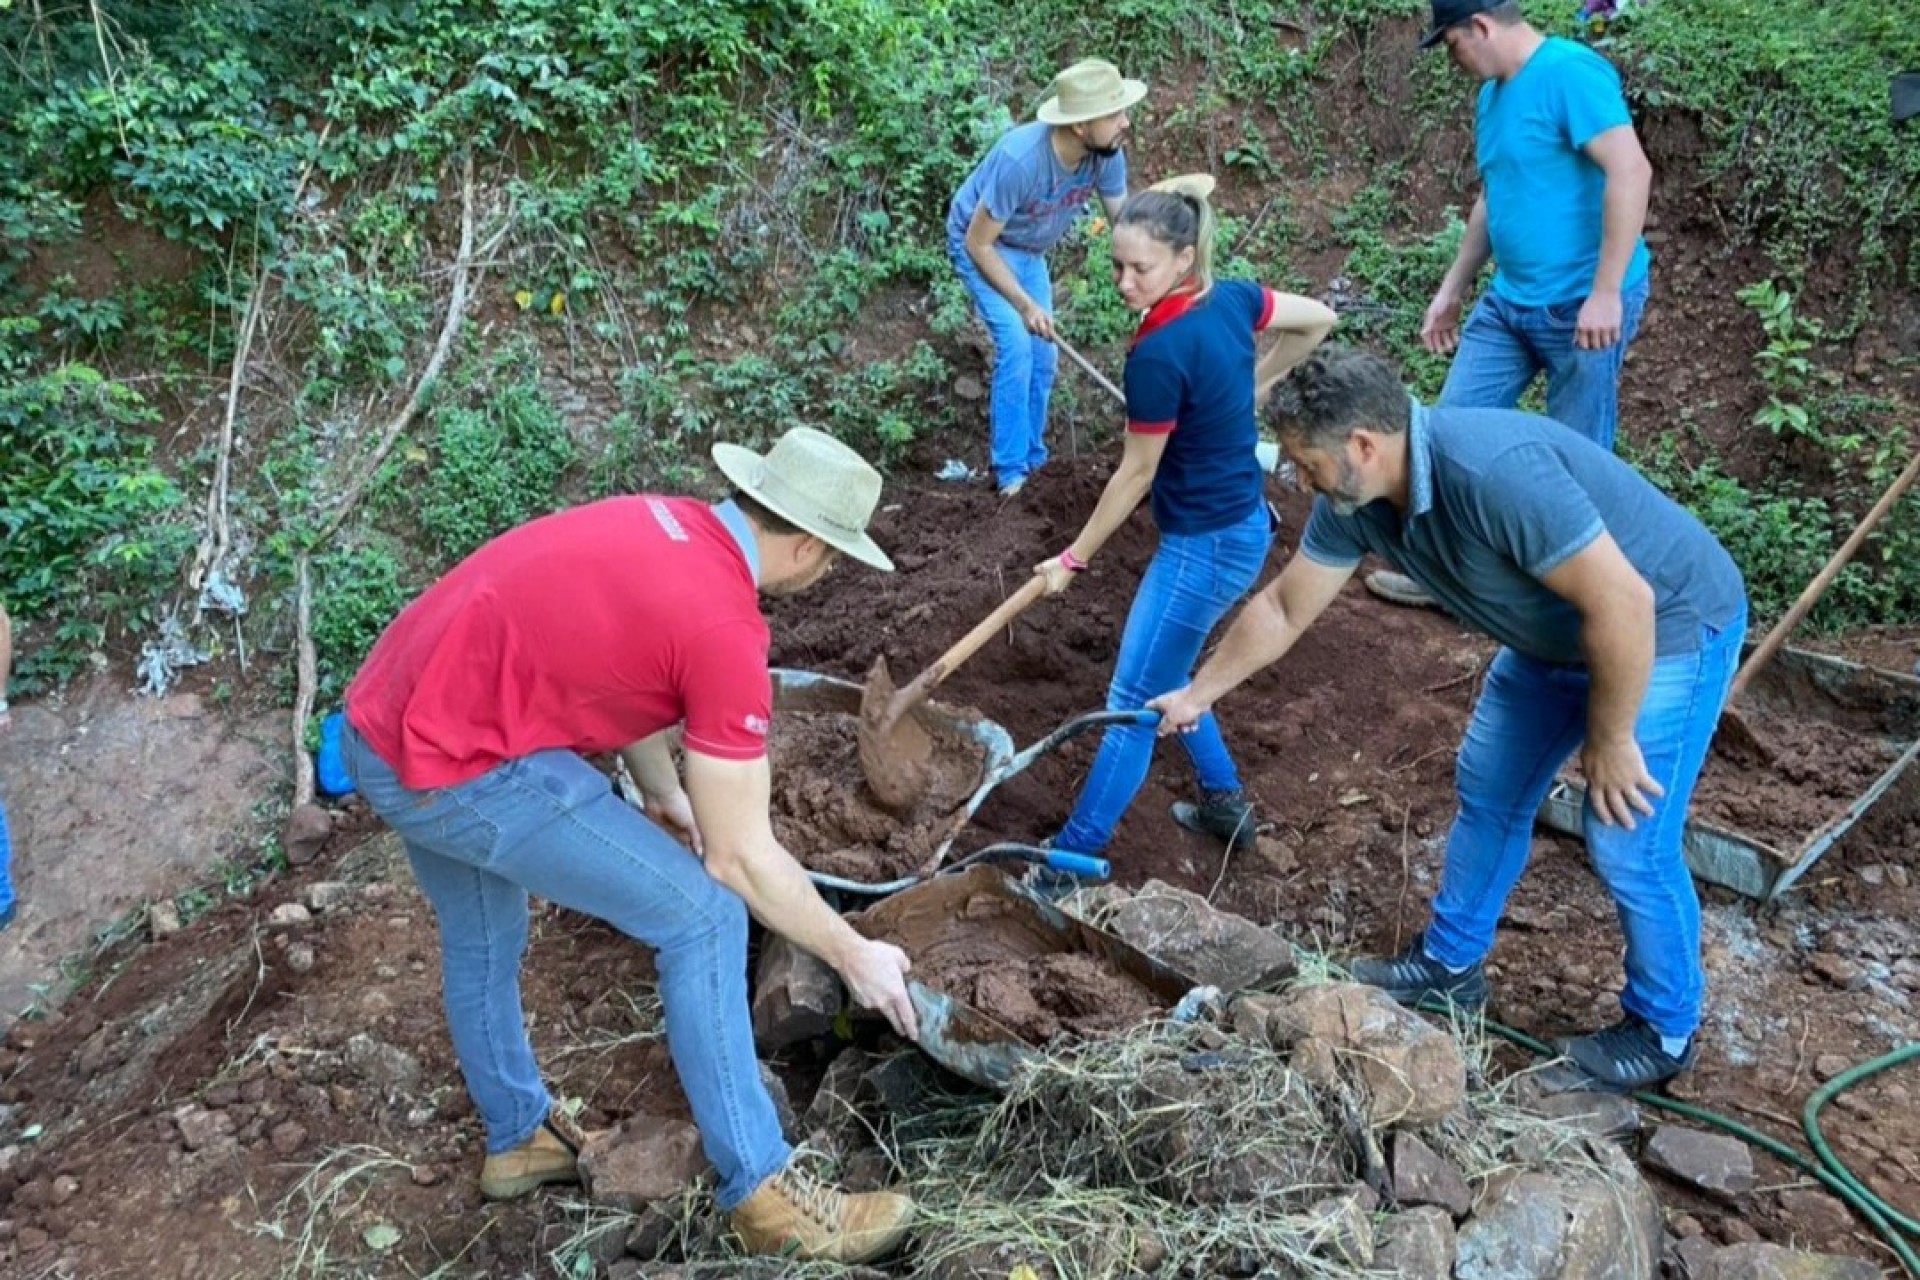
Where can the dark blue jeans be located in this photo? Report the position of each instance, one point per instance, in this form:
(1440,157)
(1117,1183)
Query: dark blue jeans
(1503,347)
(550,824)
(1529,720)
(1189,586)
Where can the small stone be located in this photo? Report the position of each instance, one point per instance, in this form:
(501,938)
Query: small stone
(1686,1226)
(326,895)
(201,1129)
(645,1160)
(287,1137)
(300,957)
(1738,1231)
(1719,1165)
(1873,876)
(307,831)
(1755,1260)
(288,914)
(1837,971)
(1815,1214)
(1421,1177)
(163,919)
(1604,1115)
(967,387)
(1417,1244)
(1900,876)
(65,1187)
(1829,1065)
(425,1175)
(32,1239)
(1695,1254)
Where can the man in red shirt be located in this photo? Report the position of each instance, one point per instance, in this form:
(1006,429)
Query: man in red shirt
(603,628)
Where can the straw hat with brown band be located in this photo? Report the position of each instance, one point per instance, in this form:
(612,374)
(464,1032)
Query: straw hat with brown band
(817,483)
(1089,90)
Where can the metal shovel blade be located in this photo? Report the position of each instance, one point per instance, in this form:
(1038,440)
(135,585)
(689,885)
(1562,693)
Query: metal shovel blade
(896,752)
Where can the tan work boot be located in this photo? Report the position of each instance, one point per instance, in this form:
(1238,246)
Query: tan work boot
(795,1215)
(552,1154)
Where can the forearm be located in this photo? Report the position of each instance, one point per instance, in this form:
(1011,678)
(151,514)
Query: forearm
(994,269)
(1618,645)
(1623,218)
(1125,488)
(1259,637)
(1476,249)
(650,761)
(776,889)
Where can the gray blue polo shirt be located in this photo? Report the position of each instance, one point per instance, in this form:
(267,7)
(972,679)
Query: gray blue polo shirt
(1497,499)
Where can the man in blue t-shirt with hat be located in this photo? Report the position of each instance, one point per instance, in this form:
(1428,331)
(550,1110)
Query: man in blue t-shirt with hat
(1560,214)
(1010,211)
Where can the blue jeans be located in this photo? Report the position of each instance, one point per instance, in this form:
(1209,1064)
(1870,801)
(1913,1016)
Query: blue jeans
(6,864)
(1190,584)
(1023,365)
(551,824)
(1503,347)
(1530,718)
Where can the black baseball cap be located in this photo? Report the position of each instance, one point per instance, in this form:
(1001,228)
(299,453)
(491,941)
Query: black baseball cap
(1451,13)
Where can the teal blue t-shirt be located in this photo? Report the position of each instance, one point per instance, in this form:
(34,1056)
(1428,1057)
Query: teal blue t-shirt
(1498,499)
(1544,194)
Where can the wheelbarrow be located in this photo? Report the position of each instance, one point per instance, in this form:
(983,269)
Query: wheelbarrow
(969,1041)
(809,691)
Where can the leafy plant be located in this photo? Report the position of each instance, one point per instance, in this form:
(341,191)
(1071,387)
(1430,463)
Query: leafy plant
(1783,364)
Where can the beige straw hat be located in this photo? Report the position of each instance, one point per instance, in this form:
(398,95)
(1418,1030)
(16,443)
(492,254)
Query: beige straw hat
(814,481)
(1088,90)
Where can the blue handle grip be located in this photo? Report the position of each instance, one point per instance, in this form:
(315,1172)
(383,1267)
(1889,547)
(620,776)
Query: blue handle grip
(1084,865)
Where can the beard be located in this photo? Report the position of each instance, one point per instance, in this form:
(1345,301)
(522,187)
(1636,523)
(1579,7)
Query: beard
(1109,151)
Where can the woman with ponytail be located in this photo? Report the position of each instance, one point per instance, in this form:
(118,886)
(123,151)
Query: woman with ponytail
(1190,378)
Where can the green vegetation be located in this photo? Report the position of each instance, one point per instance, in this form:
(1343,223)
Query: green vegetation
(729,217)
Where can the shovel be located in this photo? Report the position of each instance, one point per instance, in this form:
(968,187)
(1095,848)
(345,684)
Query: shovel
(1740,736)
(896,751)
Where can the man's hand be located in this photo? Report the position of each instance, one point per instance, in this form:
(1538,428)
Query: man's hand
(673,813)
(1618,784)
(1038,322)
(1179,711)
(876,976)
(1058,576)
(1440,329)
(1602,316)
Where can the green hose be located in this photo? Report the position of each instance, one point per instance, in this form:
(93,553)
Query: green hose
(1892,1226)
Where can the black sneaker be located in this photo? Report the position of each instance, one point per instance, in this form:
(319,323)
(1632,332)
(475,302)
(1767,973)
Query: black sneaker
(1412,979)
(1621,1059)
(1225,815)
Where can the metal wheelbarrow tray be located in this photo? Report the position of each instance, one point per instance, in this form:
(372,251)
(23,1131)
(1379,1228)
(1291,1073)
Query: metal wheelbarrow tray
(1874,704)
(809,692)
(950,910)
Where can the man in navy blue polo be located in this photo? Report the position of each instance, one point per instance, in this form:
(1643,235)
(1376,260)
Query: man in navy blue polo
(1620,619)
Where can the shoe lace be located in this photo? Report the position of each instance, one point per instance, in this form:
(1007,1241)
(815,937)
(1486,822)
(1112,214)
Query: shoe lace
(818,1201)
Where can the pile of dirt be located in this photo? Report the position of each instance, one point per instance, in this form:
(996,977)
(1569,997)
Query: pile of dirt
(827,816)
(1813,771)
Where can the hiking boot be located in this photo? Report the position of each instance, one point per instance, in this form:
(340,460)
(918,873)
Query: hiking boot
(1225,815)
(1412,979)
(1012,487)
(1398,588)
(795,1215)
(552,1154)
(1625,1057)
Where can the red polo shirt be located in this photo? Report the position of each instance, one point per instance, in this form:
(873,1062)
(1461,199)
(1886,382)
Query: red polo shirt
(585,630)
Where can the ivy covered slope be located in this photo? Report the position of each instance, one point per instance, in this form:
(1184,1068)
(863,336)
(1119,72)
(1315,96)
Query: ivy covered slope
(682,217)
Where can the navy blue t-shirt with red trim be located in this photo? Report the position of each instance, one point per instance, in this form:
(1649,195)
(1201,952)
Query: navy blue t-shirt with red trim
(1190,377)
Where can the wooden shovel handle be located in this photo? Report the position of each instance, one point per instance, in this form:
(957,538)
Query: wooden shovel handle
(969,644)
(1092,371)
(1822,580)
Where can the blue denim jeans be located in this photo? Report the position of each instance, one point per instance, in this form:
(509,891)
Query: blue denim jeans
(1023,365)
(6,864)
(1190,584)
(1503,347)
(551,824)
(1530,718)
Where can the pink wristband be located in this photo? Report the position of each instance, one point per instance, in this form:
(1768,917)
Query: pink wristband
(1071,562)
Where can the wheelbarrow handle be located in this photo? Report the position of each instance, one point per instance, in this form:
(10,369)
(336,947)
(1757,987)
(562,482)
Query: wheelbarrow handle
(1084,865)
(1085,723)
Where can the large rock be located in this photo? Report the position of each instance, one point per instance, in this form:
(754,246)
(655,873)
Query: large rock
(1719,1165)
(645,1160)
(1422,1178)
(1595,1224)
(1771,1262)
(1212,947)
(797,996)
(1413,1073)
(1417,1245)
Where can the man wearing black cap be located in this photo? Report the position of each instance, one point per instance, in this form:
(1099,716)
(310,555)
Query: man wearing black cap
(1560,214)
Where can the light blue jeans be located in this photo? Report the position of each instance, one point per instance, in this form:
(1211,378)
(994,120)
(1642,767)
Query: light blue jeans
(1503,347)
(1190,584)
(1023,365)
(551,824)
(1529,720)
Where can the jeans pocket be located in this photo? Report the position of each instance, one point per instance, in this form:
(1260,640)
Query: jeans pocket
(566,779)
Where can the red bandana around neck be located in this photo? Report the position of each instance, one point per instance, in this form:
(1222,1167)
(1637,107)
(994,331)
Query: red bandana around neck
(1165,312)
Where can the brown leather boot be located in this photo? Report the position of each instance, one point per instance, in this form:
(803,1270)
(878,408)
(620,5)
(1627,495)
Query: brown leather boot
(552,1154)
(795,1215)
